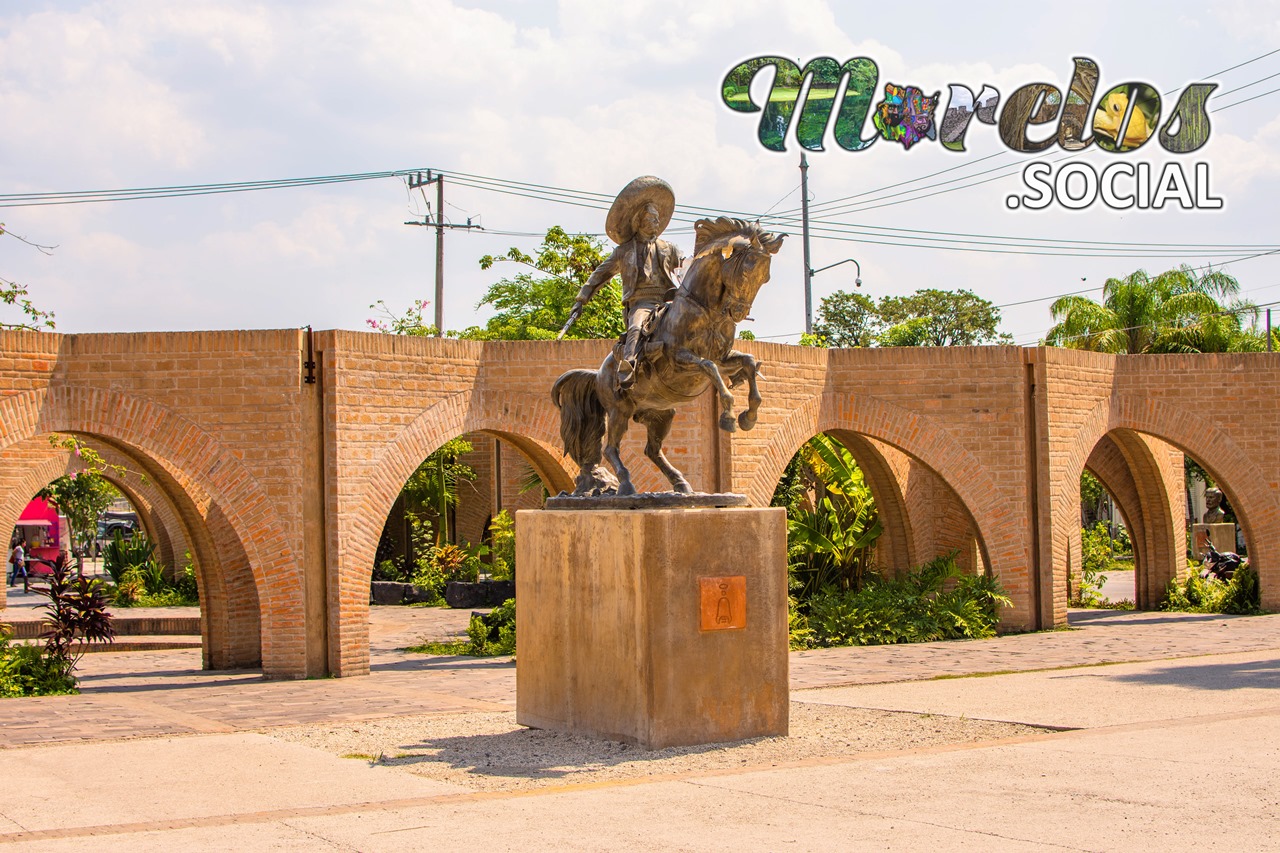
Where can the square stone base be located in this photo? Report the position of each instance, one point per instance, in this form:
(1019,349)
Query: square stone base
(655,627)
(1223,537)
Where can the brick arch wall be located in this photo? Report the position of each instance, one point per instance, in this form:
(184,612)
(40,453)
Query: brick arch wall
(157,516)
(1130,467)
(911,434)
(32,462)
(152,430)
(523,420)
(1253,494)
(1160,422)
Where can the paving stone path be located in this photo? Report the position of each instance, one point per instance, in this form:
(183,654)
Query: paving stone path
(154,693)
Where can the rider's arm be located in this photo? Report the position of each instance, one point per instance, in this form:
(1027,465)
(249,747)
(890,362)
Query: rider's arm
(603,273)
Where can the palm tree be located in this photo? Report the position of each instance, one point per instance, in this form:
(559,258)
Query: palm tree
(1176,311)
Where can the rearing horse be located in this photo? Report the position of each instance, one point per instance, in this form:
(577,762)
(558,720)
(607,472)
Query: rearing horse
(690,348)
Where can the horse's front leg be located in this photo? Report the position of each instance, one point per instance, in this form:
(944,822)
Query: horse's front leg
(744,364)
(685,358)
(618,418)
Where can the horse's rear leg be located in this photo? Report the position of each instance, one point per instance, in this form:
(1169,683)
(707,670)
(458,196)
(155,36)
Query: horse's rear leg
(658,423)
(618,420)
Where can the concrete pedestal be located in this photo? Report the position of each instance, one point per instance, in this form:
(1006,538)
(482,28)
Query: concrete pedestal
(655,627)
(1223,537)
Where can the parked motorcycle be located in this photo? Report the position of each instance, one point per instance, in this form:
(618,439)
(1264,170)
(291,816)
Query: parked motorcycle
(1219,565)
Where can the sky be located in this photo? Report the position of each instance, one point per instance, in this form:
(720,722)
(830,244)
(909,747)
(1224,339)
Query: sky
(583,96)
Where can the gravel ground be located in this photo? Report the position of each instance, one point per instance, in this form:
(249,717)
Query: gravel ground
(489,752)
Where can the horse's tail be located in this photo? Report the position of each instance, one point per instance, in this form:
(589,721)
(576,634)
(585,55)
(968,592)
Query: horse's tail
(582,416)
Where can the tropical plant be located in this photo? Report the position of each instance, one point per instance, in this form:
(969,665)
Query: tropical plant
(1241,595)
(936,601)
(502,539)
(1175,311)
(120,555)
(75,615)
(830,544)
(26,670)
(1096,554)
(494,633)
(434,485)
(146,585)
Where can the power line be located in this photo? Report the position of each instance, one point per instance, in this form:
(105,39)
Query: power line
(181,191)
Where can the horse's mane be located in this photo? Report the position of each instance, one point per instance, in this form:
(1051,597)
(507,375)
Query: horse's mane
(708,230)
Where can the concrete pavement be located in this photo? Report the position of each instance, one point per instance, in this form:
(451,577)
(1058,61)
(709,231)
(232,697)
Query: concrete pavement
(1178,751)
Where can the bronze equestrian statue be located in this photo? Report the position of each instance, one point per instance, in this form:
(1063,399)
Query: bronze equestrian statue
(686,347)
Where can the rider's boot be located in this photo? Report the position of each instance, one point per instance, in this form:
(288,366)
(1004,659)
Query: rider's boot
(626,374)
(627,366)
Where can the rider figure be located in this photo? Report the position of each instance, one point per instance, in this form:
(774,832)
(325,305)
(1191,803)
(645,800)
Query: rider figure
(646,264)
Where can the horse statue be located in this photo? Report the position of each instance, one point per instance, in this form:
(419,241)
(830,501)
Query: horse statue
(689,348)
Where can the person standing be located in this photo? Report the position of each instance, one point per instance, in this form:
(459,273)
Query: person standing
(18,562)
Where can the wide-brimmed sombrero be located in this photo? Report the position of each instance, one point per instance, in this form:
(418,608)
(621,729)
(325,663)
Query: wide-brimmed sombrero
(619,225)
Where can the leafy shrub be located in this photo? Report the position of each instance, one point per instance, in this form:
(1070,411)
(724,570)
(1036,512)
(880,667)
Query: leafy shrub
(439,564)
(1096,554)
(76,614)
(494,633)
(386,570)
(1241,595)
(27,670)
(488,634)
(936,601)
(145,585)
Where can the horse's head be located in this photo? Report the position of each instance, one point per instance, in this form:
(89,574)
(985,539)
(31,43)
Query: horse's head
(740,254)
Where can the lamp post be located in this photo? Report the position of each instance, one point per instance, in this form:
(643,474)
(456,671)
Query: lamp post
(809,273)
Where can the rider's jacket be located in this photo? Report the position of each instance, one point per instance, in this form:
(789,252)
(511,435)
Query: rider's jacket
(647,270)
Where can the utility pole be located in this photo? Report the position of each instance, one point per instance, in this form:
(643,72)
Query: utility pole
(808,267)
(1270,346)
(417,181)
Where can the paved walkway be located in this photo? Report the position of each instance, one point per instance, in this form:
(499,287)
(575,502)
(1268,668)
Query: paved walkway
(1177,752)
(152,693)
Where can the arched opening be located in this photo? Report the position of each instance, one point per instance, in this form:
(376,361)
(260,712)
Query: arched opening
(448,537)
(179,538)
(864,514)
(1157,488)
(921,516)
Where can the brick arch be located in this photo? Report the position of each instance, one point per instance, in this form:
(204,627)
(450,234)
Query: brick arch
(148,430)
(1256,504)
(54,462)
(57,462)
(927,443)
(528,422)
(1125,463)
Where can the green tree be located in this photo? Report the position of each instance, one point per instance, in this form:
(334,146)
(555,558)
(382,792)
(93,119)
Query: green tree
(942,318)
(535,305)
(81,497)
(848,320)
(1176,311)
(928,317)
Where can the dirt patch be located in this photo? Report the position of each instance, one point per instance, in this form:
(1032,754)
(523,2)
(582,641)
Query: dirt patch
(489,752)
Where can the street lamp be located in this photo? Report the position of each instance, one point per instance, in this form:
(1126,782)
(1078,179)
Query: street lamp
(809,273)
